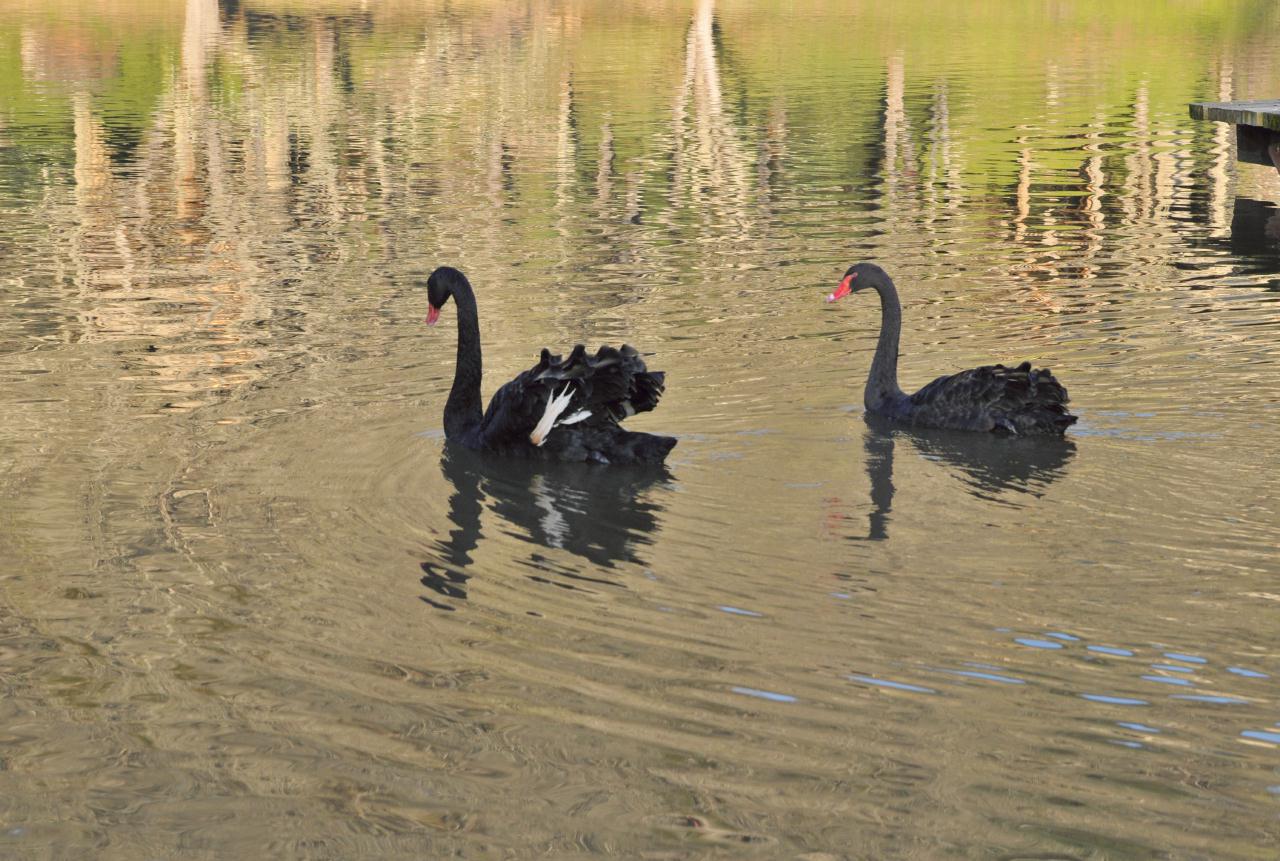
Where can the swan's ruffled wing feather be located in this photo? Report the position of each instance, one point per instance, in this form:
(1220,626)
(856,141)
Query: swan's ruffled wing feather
(611,385)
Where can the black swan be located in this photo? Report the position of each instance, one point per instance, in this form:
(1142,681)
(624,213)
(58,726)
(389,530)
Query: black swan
(560,409)
(1019,401)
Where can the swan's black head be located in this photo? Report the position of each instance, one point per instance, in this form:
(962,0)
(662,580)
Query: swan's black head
(859,276)
(440,286)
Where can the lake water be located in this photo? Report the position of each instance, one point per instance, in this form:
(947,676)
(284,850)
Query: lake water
(252,607)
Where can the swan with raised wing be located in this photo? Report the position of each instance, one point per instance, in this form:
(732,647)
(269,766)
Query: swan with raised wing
(560,409)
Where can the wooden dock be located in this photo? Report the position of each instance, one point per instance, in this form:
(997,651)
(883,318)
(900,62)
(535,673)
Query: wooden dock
(1257,127)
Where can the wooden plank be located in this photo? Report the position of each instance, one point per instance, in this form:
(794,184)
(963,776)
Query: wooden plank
(1257,127)
(1264,114)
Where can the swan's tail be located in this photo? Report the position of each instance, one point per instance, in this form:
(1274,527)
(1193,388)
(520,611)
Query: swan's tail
(1043,402)
(636,447)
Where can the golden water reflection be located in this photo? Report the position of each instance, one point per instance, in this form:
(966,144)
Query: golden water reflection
(253,601)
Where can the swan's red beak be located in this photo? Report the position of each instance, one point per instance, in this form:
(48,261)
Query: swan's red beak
(433,314)
(844,289)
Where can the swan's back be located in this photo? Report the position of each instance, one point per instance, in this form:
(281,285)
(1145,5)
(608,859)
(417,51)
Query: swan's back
(1024,401)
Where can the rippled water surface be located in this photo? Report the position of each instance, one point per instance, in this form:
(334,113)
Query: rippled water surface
(253,607)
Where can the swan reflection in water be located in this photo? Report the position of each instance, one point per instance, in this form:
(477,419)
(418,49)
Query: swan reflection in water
(992,466)
(603,515)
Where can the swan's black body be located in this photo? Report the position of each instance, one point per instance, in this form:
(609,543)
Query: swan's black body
(1020,401)
(591,394)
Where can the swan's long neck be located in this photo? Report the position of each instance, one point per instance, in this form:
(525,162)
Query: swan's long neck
(882,382)
(463,410)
